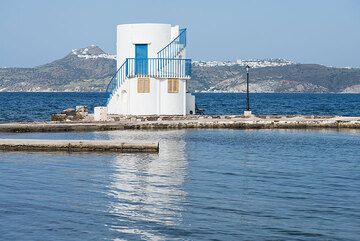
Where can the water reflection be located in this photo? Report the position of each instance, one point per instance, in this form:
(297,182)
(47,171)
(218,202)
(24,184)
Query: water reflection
(204,184)
(147,189)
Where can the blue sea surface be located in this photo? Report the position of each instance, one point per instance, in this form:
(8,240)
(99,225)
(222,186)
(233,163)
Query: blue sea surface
(281,103)
(203,184)
(20,106)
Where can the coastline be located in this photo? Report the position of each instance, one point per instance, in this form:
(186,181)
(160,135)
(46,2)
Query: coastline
(78,146)
(189,122)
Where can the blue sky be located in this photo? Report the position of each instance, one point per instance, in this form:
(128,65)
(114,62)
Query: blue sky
(307,31)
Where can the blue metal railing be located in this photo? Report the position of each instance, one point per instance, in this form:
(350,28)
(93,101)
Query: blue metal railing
(117,79)
(149,67)
(159,68)
(173,49)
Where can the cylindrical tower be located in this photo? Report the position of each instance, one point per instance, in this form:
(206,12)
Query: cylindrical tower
(152,71)
(155,35)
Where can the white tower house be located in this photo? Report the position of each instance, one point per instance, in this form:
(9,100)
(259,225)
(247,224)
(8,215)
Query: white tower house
(152,71)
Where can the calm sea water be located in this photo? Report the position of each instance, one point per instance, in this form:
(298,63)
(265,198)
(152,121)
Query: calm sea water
(39,106)
(203,185)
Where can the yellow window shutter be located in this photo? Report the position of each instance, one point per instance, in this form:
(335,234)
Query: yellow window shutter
(139,85)
(147,85)
(169,85)
(143,85)
(173,85)
(176,85)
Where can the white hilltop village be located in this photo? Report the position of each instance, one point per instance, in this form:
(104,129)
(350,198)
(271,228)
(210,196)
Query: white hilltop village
(253,63)
(88,53)
(93,68)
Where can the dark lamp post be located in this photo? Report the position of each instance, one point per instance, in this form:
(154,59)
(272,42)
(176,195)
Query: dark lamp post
(247,112)
(247,88)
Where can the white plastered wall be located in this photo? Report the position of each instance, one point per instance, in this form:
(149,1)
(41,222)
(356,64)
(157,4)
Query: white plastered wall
(156,35)
(127,100)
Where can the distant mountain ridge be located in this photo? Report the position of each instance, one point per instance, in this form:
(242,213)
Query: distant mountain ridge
(86,69)
(90,69)
(287,78)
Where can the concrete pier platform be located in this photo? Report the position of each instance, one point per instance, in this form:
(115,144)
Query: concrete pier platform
(77,146)
(191,122)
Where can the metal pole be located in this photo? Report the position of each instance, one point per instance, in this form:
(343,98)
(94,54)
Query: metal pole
(247,90)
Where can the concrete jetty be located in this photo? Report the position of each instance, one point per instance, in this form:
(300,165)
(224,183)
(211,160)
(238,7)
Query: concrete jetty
(184,122)
(77,146)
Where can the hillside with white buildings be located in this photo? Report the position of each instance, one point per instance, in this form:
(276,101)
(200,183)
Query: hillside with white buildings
(90,69)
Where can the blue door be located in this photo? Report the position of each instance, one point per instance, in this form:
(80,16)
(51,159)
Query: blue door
(141,59)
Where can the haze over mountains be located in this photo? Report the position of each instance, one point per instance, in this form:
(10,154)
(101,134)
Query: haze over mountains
(90,69)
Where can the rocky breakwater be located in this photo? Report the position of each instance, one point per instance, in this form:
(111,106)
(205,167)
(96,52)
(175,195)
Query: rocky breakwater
(190,122)
(238,122)
(77,145)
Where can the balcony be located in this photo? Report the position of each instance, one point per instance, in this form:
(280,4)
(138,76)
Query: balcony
(158,68)
(150,67)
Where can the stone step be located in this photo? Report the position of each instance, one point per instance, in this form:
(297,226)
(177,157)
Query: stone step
(78,145)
